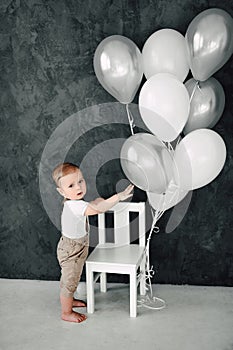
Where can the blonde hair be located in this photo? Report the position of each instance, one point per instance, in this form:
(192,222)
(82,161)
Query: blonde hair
(63,169)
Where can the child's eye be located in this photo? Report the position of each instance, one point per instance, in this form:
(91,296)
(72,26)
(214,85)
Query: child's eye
(80,181)
(71,186)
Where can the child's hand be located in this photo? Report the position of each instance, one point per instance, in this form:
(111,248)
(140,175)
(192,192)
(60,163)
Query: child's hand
(126,193)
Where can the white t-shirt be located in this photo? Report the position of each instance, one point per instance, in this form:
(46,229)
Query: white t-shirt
(73,222)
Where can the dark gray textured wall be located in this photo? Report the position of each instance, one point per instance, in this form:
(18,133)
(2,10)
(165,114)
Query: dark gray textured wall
(46,53)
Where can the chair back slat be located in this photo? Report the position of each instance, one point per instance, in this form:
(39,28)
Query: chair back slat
(121,227)
(101,228)
(122,223)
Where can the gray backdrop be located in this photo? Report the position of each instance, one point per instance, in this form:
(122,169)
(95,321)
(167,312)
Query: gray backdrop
(46,54)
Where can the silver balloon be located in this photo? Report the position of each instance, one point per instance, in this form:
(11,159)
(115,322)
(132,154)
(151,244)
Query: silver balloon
(146,162)
(206,105)
(209,39)
(118,67)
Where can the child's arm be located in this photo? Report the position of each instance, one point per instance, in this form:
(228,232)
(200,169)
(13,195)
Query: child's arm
(101,205)
(97,200)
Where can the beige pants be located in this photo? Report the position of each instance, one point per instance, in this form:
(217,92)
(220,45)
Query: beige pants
(71,254)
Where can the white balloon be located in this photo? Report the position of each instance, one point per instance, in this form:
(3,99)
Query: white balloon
(165,52)
(164,106)
(199,158)
(170,198)
(146,162)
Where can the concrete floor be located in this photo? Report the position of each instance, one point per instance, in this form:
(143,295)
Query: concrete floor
(195,318)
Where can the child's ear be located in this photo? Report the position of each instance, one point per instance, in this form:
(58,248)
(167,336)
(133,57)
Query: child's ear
(60,191)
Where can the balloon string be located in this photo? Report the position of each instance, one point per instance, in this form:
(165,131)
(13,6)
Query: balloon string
(149,270)
(130,118)
(177,142)
(172,188)
(194,89)
(199,88)
(156,215)
(150,300)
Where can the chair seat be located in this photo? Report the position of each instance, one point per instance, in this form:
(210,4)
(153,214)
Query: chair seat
(117,255)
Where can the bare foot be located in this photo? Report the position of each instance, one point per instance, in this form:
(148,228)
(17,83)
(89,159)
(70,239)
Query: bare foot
(78,303)
(74,317)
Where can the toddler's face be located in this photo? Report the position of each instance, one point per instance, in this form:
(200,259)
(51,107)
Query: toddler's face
(73,186)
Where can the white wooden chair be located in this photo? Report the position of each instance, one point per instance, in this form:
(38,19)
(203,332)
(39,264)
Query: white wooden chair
(118,257)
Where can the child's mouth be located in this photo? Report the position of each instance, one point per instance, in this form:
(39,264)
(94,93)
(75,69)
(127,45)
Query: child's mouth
(79,193)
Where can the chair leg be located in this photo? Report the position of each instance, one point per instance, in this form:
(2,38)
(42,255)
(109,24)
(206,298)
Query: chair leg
(133,294)
(103,282)
(90,290)
(143,277)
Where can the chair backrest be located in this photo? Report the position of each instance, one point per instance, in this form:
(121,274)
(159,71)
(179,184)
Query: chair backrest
(121,213)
